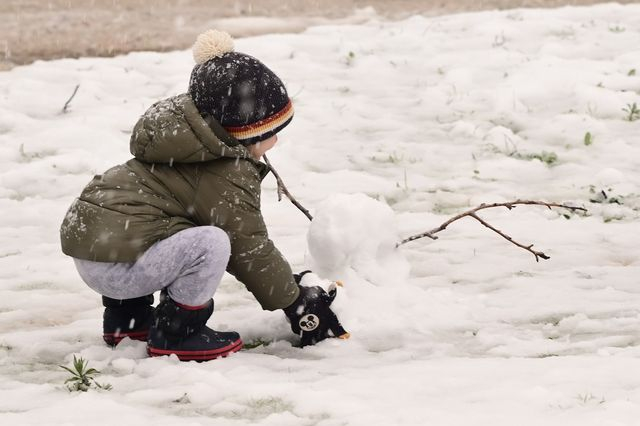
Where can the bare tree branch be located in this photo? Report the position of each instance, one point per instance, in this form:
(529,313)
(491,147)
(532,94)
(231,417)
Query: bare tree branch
(66,104)
(529,248)
(472,213)
(282,189)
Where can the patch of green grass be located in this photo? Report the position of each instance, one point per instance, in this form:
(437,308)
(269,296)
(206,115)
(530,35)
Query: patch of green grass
(602,197)
(547,157)
(588,397)
(270,405)
(256,343)
(393,158)
(547,355)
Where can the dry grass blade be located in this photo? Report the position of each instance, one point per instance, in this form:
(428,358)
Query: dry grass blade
(66,104)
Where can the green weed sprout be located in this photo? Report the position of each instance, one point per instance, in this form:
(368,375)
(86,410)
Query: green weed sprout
(350,58)
(82,378)
(632,111)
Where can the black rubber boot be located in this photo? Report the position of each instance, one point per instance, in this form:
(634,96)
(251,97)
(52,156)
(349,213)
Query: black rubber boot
(181,330)
(126,318)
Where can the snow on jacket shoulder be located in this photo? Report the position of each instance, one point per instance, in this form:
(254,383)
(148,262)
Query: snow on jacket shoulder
(187,172)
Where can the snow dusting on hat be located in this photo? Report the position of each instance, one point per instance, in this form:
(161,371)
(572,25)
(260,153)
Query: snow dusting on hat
(237,90)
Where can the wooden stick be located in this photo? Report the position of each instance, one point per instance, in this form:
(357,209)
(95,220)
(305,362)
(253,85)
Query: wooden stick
(282,189)
(472,213)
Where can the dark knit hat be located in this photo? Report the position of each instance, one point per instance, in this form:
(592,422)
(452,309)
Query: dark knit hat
(238,90)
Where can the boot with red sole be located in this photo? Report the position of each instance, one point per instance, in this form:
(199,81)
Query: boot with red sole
(126,318)
(180,330)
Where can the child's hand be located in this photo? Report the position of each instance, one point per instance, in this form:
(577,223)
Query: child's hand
(311,317)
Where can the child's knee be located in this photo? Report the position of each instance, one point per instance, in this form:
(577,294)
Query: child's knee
(215,240)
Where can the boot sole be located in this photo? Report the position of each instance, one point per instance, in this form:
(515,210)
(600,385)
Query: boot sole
(198,355)
(112,339)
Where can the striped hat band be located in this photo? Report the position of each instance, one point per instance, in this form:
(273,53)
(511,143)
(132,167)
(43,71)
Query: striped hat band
(263,126)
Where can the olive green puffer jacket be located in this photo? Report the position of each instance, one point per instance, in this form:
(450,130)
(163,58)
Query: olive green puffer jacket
(187,171)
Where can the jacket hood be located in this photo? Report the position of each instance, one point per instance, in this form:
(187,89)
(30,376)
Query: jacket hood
(173,131)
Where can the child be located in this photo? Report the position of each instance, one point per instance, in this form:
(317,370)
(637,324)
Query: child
(186,208)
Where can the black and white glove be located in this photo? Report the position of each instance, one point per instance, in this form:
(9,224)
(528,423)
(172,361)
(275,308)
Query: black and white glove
(310,315)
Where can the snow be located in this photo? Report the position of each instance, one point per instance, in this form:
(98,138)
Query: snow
(403,124)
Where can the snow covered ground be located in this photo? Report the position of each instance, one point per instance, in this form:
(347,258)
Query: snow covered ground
(429,116)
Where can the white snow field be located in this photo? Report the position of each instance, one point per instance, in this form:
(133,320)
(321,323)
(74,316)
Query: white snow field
(428,116)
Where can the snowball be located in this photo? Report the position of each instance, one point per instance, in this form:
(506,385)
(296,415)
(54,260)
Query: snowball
(356,232)
(211,44)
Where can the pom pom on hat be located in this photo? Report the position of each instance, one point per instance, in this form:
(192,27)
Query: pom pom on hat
(211,44)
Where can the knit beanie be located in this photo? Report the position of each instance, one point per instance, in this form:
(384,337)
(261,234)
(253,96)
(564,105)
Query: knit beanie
(237,90)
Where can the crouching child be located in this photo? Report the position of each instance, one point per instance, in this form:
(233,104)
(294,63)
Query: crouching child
(186,208)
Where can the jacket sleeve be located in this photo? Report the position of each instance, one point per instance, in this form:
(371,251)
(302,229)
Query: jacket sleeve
(228,196)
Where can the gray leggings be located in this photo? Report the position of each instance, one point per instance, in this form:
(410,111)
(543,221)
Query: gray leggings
(189,264)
